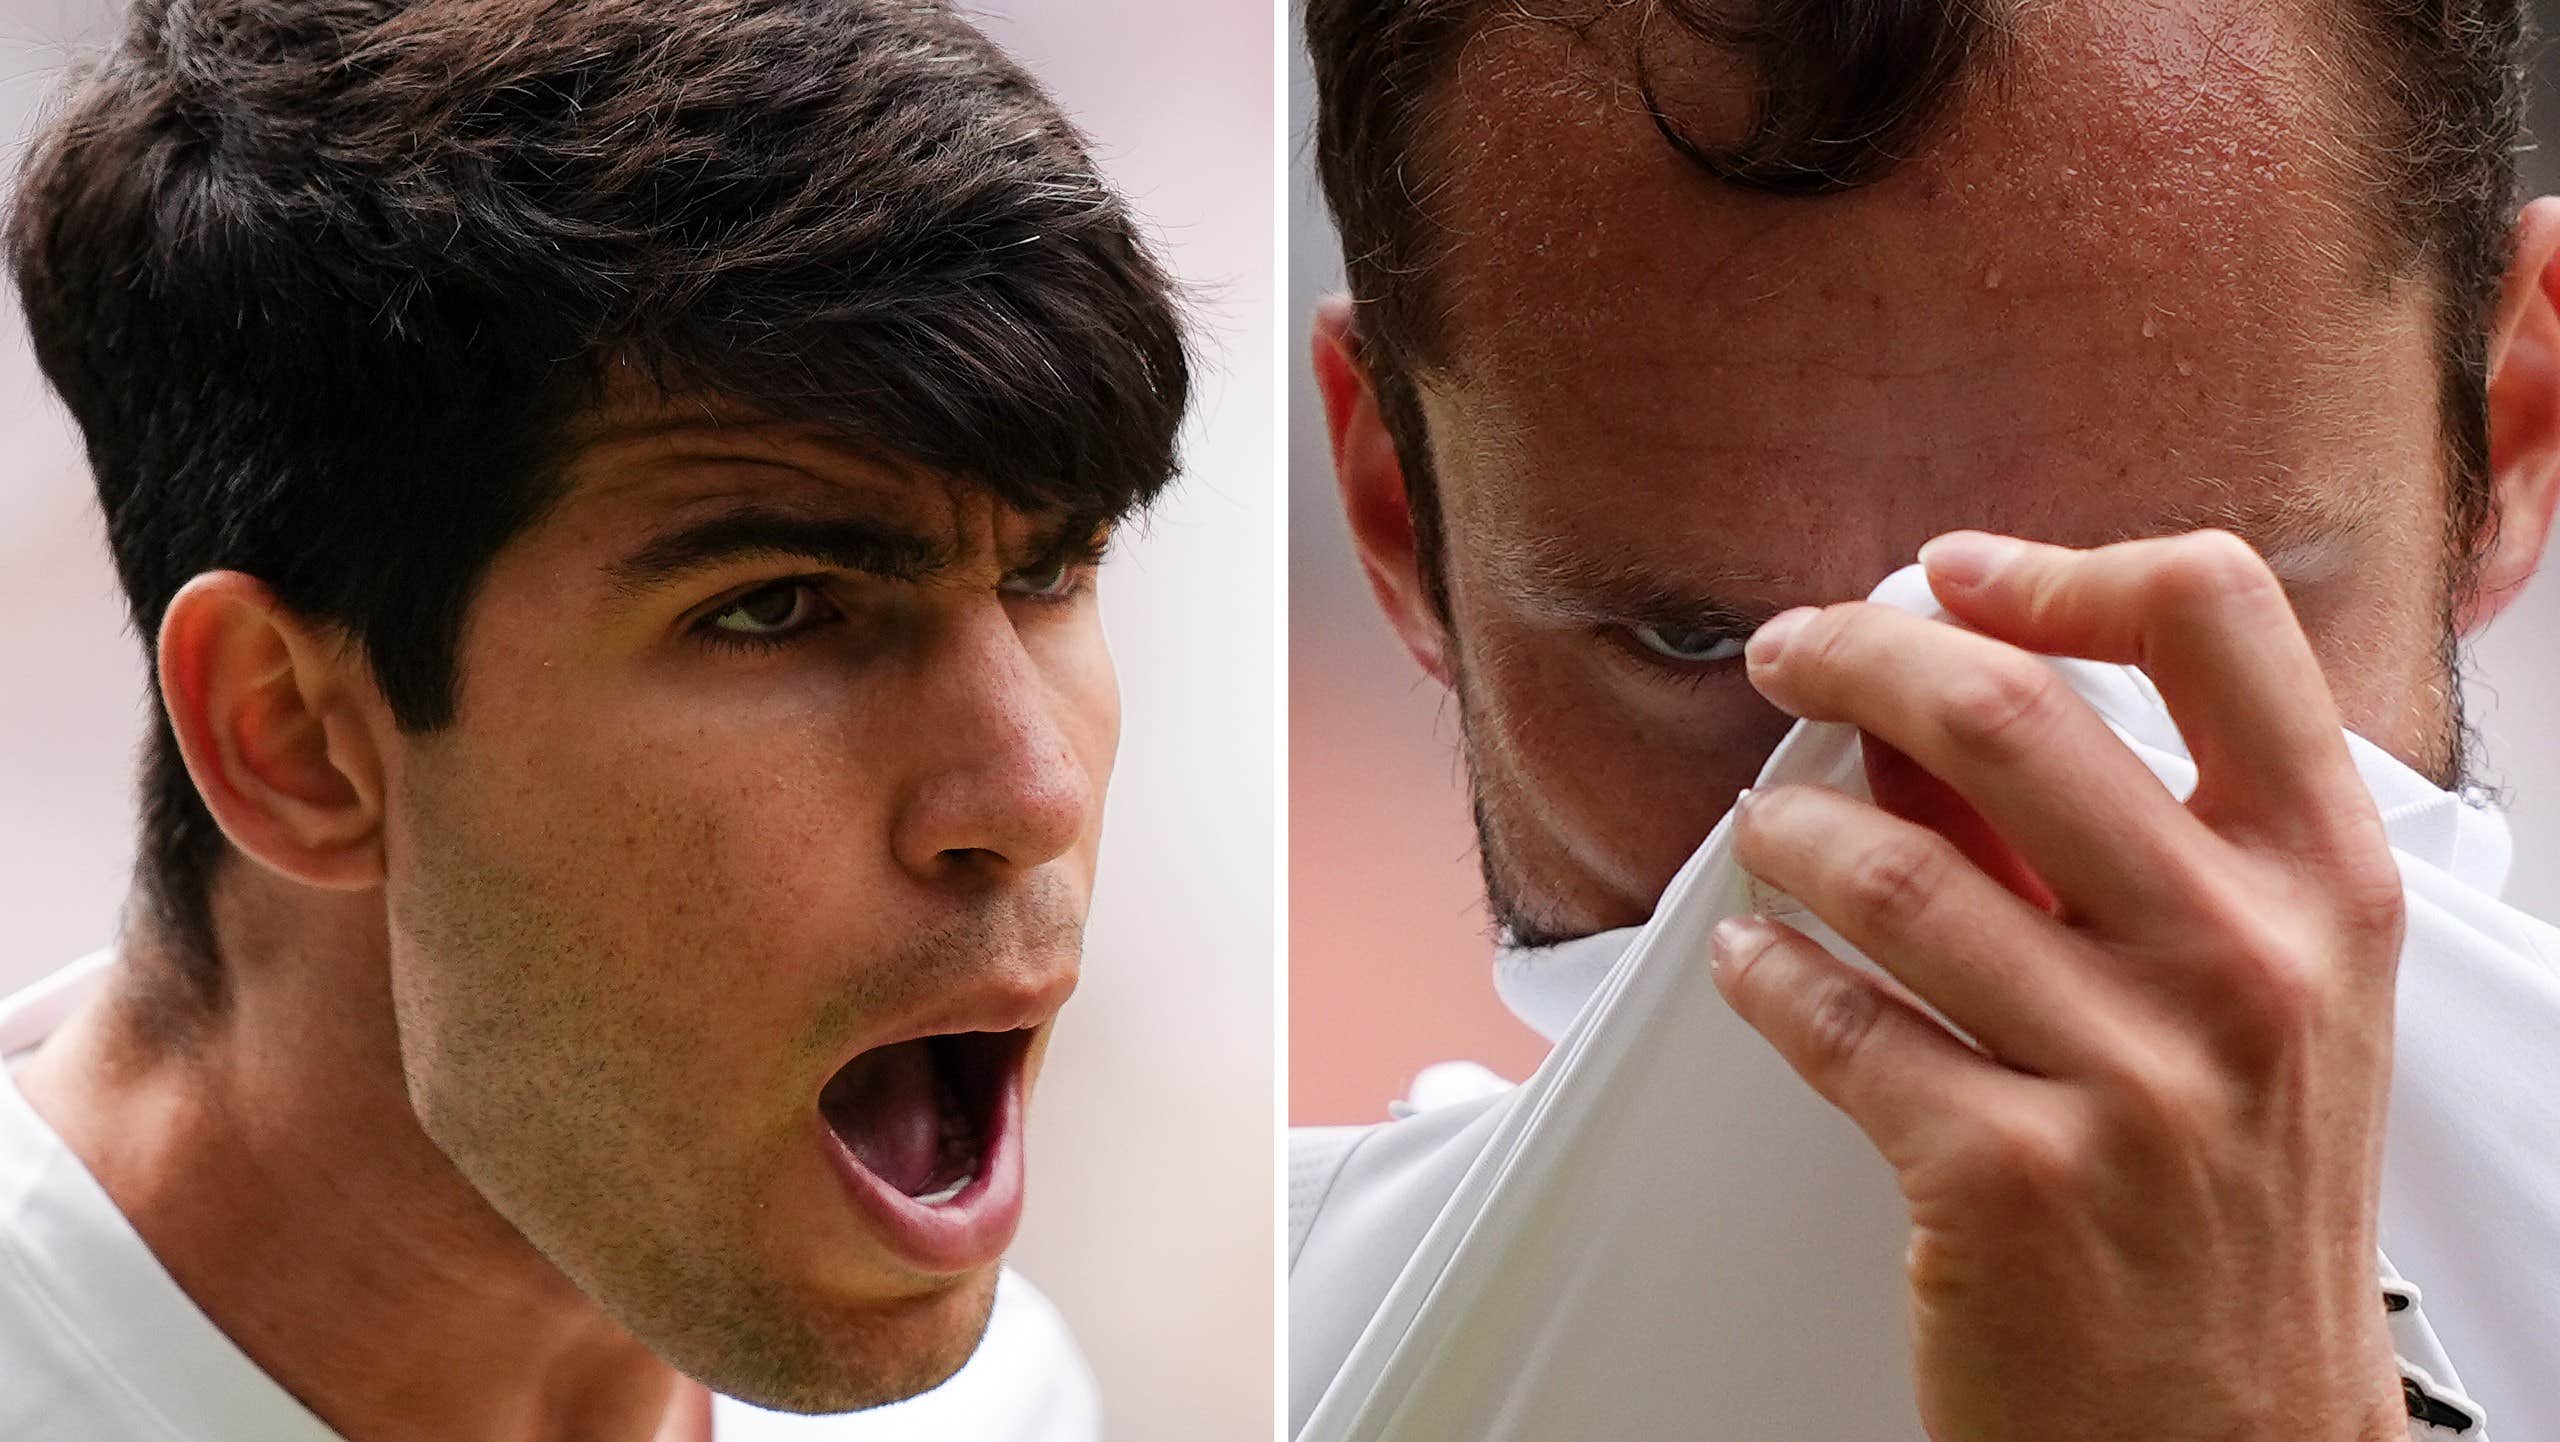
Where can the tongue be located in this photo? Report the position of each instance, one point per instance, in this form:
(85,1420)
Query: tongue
(887,1106)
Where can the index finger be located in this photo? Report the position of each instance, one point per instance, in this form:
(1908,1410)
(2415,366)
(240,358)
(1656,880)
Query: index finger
(2206,619)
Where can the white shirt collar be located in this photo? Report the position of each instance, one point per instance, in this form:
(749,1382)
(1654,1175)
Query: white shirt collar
(64,1236)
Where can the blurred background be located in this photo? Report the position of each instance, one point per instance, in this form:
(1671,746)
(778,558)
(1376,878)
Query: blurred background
(1388,941)
(1150,1215)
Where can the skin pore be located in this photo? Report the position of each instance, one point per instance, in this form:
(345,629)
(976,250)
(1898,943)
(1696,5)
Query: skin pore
(2132,288)
(767,753)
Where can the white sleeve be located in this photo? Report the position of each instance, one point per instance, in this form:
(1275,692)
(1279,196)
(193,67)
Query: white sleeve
(1361,1199)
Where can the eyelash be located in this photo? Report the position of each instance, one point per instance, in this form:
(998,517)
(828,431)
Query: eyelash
(757,644)
(1079,574)
(1664,670)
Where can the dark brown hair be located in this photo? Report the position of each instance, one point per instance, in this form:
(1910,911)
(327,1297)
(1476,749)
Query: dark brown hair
(326,282)
(1844,89)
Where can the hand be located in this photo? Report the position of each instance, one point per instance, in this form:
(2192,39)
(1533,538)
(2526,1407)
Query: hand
(2143,1198)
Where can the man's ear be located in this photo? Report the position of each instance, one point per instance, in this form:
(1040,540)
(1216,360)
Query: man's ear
(2524,414)
(1371,479)
(265,707)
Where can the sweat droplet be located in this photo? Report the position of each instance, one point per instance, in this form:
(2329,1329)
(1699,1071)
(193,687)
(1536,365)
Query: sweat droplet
(2150,327)
(1991,278)
(2185,366)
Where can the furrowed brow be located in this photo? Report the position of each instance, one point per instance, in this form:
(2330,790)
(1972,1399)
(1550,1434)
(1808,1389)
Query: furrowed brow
(1544,580)
(869,547)
(1077,539)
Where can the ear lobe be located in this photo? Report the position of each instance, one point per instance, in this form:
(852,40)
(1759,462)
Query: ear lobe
(1370,477)
(260,701)
(2524,415)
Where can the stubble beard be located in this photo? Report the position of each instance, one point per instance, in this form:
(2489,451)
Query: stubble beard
(1518,919)
(654,1235)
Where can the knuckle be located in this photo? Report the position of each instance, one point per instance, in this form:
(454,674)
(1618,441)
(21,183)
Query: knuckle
(2029,1159)
(2372,907)
(2281,990)
(2166,1095)
(1895,881)
(2002,708)
(1838,1022)
(2291,987)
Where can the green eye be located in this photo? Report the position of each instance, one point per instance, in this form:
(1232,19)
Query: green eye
(1049,580)
(775,610)
(1692,647)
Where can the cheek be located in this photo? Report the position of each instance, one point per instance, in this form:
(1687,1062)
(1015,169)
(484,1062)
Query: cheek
(2383,648)
(680,863)
(1083,688)
(1601,784)
(1093,697)
(667,791)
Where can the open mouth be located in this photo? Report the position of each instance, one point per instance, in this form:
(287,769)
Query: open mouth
(924,1116)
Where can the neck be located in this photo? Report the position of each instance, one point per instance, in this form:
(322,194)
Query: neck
(272,1162)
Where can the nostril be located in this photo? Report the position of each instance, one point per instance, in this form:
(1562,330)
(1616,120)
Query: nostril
(993,802)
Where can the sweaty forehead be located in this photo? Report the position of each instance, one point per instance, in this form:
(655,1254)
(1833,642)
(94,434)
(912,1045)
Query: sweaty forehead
(2134,248)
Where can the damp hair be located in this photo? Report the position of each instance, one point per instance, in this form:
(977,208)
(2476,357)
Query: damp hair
(1840,91)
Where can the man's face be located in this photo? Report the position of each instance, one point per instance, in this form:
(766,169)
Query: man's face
(2129,293)
(767,759)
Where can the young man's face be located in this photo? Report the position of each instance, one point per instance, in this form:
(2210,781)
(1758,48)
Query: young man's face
(725,815)
(2133,294)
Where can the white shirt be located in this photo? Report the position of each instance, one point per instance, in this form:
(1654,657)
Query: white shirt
(99,1344)
(1554,1268)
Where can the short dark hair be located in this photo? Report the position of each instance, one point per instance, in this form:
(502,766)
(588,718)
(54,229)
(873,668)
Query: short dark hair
(1844,89)
(326,284)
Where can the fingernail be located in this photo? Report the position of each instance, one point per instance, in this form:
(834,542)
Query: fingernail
(1770,642)
(1966,558)
(1737,939)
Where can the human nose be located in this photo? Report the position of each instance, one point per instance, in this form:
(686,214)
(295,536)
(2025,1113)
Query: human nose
(1002,784)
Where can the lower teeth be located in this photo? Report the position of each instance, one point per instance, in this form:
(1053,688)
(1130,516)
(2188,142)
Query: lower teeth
(937,1198)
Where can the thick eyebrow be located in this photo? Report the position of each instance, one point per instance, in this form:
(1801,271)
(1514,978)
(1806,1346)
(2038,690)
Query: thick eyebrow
(1076,538)
(1546,581)
(868,547)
